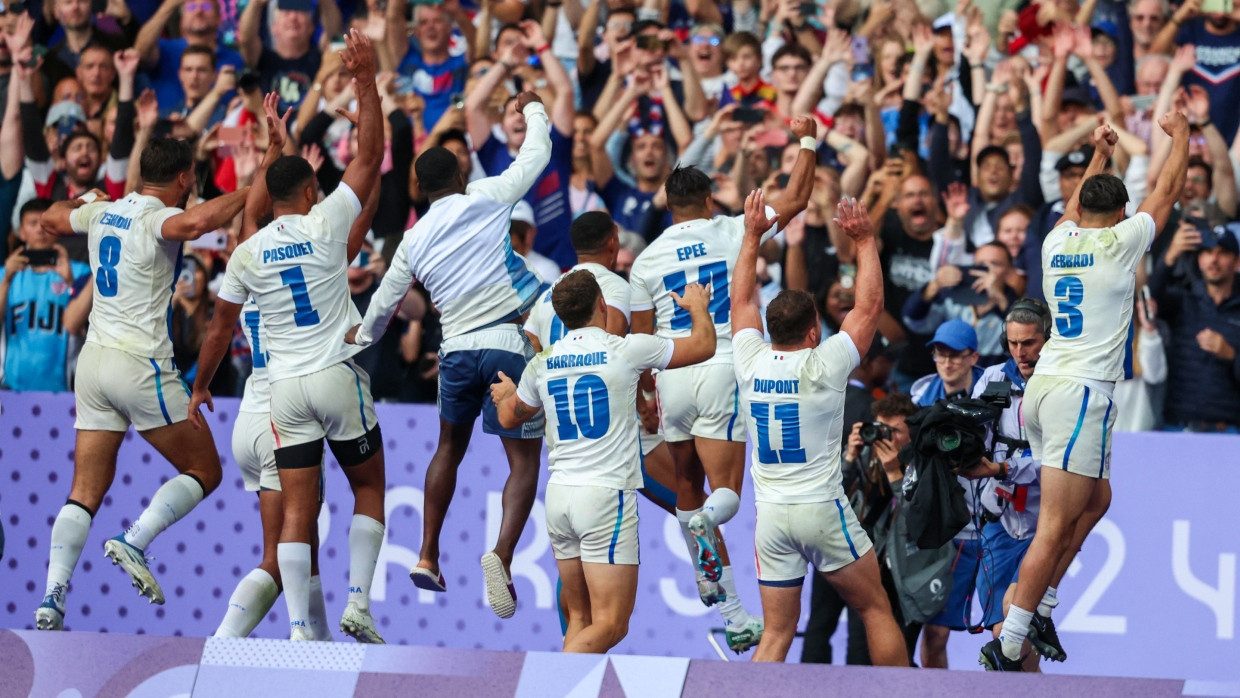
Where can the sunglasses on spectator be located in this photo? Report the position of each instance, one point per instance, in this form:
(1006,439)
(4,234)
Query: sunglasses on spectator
(620,27)
(699,39)
(198,7)
(16,8)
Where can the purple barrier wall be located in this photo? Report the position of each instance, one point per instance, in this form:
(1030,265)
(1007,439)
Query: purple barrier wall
(1152,595)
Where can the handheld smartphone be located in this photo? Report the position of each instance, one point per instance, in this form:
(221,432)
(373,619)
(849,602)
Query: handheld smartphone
(187,277)
(781,180)
(862,71)
(230,137)
(809,9)
(1145,305)
(749,115)
(1216,7)
(650,42)
(42,258)
(963,292)
(98,7)
(457,99)
(860,49)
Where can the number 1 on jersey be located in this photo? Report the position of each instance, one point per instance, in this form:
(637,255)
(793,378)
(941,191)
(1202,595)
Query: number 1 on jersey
(713,276)
(304,314)
(789,417)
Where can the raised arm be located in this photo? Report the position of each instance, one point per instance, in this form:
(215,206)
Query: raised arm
(801,182)
(205,217)
(744,288)
(1084,49)
(604,170)
(362,174)
(249,43)
(477,102)
(383,303)
(258,203)
(513,183)
(225,81)
(1224,176)
(862,321)
(1104,145)
(147,43)
(1052,96)
(11,151)
(1165,41)
(397,36)
(1170,182)
(585,38)
(58,218)
(682,132)
(562,109)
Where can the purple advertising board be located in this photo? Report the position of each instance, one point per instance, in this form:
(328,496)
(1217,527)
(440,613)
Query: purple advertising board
(1153,594)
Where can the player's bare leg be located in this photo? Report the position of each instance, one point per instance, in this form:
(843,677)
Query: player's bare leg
(781,608)
(300,488)
(192,452)
(438,490)
(524,461)
(934,646)
(860,587)
(366,533)
(612,590)
(1065,498)
(574,598)
(94,469)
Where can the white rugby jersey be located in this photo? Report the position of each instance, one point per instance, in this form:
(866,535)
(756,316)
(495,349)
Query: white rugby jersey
(795,404)
(544,324)
(699,251)
(295,270)
(1089,279)
(257,395)
(461,251)
(585,384)
(134,272)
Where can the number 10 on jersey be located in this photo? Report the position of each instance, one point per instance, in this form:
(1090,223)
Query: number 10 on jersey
(713,276)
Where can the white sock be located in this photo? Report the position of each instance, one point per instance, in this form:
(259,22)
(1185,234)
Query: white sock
(250,601)
(365,538)
(1048,603)
(68,536)
(682,517)
(721,506)
(294,561)
(319,627)
(171,501)
(731,609)
(1015,629)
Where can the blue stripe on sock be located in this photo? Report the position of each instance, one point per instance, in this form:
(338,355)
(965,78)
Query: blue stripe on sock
(844,525)
(159,391)
(615,534)
(361,402)
(1080,420)
(1102,463)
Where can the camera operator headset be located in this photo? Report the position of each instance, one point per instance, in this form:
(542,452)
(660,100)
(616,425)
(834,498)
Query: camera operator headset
(1009,478)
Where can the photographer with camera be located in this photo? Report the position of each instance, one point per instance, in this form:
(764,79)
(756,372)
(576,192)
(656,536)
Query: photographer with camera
(1011,474)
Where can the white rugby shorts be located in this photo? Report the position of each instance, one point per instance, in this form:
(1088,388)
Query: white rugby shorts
(596,524)
(826,535)
(253,447)
(700,401)
(114,389)
(1069,425)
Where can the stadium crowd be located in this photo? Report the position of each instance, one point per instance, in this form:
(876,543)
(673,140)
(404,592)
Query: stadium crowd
(962,126)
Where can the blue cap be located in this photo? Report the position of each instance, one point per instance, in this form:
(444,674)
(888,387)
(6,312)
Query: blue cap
(1106,28)
(957,335)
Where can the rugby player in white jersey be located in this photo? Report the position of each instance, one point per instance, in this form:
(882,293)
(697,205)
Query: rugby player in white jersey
(1089,263)
(596,240)
(586,383)
(699,405)
(792,390)
(461,251)
(125,373)
(295,269)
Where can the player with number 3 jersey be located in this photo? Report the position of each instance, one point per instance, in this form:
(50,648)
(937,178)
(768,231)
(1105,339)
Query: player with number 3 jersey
(1089,264)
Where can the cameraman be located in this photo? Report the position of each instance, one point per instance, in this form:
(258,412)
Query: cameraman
(1012,489)
(869,468)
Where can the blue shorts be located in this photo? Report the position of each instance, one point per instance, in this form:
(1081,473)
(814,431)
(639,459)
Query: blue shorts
(1001,558)
(470,363)
(955,614)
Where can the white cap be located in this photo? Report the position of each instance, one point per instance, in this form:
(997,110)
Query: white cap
(522,211)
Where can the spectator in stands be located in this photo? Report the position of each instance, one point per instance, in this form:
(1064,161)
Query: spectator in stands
(288,64)
(1203,311)
(77,20)
(978,296)
(45,299)
(435,64)
(205,90)
(1216,37)
(199,24)
(1146,19)
(96,74)
(596,63)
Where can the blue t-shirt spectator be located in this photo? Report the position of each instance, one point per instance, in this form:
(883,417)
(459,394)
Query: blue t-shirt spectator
(166,83)
(34,328)
(1217,70)
(435,84)
(548,196)
(626,203)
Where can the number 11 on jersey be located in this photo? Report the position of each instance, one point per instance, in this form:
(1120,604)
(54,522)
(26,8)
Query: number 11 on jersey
(713,276)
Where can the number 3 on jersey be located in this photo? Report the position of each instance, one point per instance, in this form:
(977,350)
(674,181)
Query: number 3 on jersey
(1069,292)
(587,411)
(304,314)
(713,276)
(789,418)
